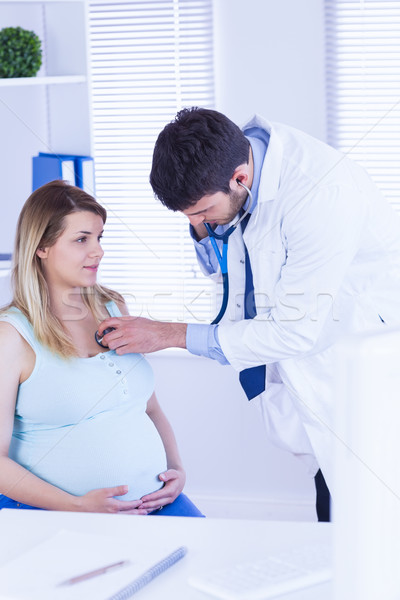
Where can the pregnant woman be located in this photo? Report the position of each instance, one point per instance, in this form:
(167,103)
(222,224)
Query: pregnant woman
(80,426)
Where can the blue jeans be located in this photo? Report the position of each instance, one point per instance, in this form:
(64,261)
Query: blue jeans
(8,503)
(181,507)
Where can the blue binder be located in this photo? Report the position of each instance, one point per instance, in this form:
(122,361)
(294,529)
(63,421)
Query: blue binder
(76,169)
(84,174)
(48,167)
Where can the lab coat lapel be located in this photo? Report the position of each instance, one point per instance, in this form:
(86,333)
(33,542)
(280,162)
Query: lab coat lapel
(270,176)
(263,240)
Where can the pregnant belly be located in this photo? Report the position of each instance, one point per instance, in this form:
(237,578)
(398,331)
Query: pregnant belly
(100,452)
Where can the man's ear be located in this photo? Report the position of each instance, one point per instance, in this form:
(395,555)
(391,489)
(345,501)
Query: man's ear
(243,174)
(41,252)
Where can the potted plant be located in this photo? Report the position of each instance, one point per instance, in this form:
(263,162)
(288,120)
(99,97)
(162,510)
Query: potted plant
(20,52)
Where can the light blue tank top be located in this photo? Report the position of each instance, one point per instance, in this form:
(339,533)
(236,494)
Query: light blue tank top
(80,423)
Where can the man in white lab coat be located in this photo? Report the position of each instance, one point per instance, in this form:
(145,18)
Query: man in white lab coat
(324,252)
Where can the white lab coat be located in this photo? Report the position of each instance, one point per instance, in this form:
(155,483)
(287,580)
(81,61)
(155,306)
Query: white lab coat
(325,253)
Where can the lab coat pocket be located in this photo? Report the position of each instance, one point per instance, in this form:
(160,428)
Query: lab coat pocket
(282,421)
(267,267)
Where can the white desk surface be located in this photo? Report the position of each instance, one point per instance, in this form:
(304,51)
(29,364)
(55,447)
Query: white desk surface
(211,543)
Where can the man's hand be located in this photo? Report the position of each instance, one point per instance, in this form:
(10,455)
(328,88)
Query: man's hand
(136,334)
(174,482)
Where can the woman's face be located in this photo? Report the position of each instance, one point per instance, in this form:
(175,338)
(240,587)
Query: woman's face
(73,261)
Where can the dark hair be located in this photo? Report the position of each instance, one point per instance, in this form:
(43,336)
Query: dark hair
(196,155)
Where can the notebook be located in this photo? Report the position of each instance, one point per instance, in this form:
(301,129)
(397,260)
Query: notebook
(269,576)
(37,573)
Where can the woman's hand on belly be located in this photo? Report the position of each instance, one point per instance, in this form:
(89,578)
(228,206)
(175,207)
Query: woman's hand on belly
(102,500)
(174,482)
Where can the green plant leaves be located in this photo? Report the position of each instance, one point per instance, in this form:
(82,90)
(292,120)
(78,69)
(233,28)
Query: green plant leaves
(20,52)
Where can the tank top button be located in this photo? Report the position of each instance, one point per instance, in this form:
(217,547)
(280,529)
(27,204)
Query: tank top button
(102,356)
(119,372)
(111,364)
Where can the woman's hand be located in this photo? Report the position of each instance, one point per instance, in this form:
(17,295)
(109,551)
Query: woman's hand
(102,500)
(174,482)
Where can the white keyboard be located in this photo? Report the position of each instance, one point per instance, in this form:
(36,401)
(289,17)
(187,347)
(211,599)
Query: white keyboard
(270,576)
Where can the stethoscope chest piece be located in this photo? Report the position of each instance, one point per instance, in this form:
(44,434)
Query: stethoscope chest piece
(99,338)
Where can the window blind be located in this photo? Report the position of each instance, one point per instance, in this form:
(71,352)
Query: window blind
(363,87)
(149,59)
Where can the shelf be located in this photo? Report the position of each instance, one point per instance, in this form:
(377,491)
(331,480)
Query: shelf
(46,113)
(51,80)
(37,1)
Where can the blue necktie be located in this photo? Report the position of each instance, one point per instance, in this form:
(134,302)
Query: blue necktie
(253,379)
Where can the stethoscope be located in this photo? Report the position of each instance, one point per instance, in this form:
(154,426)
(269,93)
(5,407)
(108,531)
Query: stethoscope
(99,338)
(223,257)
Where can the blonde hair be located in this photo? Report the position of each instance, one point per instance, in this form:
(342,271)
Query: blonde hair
(40,224)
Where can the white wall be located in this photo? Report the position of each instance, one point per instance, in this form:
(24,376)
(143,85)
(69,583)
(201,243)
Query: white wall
(270,60)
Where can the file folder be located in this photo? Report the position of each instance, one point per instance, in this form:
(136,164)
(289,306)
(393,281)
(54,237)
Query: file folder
(48,167)
(84,174)
(75,169)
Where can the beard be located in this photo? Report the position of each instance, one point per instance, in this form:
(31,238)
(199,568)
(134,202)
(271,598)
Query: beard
(237,199)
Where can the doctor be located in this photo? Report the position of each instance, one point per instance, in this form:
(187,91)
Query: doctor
(320,244)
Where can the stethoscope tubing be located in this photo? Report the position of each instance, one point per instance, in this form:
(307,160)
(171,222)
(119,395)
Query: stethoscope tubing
(223,263)
(225,283)
(222,257)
